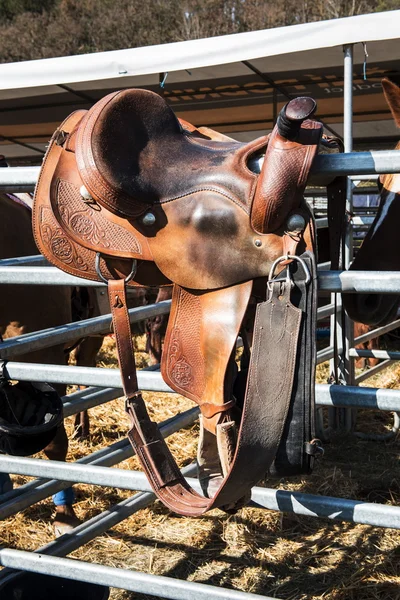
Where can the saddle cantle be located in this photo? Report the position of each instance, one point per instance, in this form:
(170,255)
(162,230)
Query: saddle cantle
(128,181)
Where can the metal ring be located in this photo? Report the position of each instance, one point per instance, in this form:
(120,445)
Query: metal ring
(290,257)
(127,279)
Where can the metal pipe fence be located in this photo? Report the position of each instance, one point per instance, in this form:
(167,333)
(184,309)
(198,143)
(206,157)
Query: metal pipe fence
(134,581)
(325,167)
(373,282)
(284,501)
(70,332)
(326,395)
(35,259)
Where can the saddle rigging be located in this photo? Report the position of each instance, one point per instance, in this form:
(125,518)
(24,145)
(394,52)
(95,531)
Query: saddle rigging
(131,195)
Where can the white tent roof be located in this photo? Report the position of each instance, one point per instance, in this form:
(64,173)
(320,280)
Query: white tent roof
(226,82)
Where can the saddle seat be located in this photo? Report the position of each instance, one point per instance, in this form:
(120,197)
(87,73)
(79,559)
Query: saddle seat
(133,153)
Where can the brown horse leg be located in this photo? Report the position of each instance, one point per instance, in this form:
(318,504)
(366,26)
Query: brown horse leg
(82,423)
(65,518)
(85,355)
(156,328)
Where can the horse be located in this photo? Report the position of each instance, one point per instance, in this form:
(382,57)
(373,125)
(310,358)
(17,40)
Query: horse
(378,250)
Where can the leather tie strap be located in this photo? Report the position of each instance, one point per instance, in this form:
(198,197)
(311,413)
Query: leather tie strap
(277,320)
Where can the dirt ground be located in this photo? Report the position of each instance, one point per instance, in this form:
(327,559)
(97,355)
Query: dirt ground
(260,551)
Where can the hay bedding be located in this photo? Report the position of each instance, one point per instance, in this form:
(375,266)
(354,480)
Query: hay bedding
(259,551)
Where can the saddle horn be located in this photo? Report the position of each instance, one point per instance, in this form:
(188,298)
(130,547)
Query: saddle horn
(293,114)
(274,200)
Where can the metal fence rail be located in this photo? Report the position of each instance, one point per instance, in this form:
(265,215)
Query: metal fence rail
(373,282)
(70,332)
(155,585)
(326,395)
(325,167)
(284,501)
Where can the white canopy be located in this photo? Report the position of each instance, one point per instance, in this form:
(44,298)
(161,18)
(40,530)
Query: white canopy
(226,82)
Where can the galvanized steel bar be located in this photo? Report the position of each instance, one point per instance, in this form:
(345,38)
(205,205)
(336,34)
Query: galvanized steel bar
(92,376)
(71,405)
(378,162)
(42,276)
(152,381)
(324,266)
(376,332)
(356,163)
(18,179)
(373,371)
(357,397)
(386,354)
(346,325)
(325,311)
(324,355)
(285,501)
(359,221)
(127,579)
(337,509)
(45,338)
(35,259)
(374,282)
(348,98)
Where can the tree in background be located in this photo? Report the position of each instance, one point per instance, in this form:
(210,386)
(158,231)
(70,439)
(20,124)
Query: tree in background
(9,9)
(32,29)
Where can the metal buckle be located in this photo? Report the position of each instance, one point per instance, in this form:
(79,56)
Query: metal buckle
(290,257)
(127,279)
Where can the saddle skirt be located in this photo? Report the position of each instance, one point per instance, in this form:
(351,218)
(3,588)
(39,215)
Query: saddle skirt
(128,181)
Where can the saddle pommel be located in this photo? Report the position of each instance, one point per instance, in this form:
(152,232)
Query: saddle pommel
(292,146)
(292,116)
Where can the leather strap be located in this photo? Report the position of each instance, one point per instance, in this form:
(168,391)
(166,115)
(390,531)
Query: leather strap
(336,192)
(276,329)
(293,455)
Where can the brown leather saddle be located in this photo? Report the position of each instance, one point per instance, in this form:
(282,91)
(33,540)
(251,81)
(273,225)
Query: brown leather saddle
(131,195)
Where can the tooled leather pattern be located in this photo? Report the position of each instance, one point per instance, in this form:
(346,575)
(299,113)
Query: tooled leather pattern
(58,243)
(282,183)
(181,372)
(186,365)
(90,225)
(63,251)
(282,179)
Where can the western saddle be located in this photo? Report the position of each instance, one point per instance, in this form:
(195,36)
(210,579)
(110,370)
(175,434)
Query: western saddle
(129,194)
